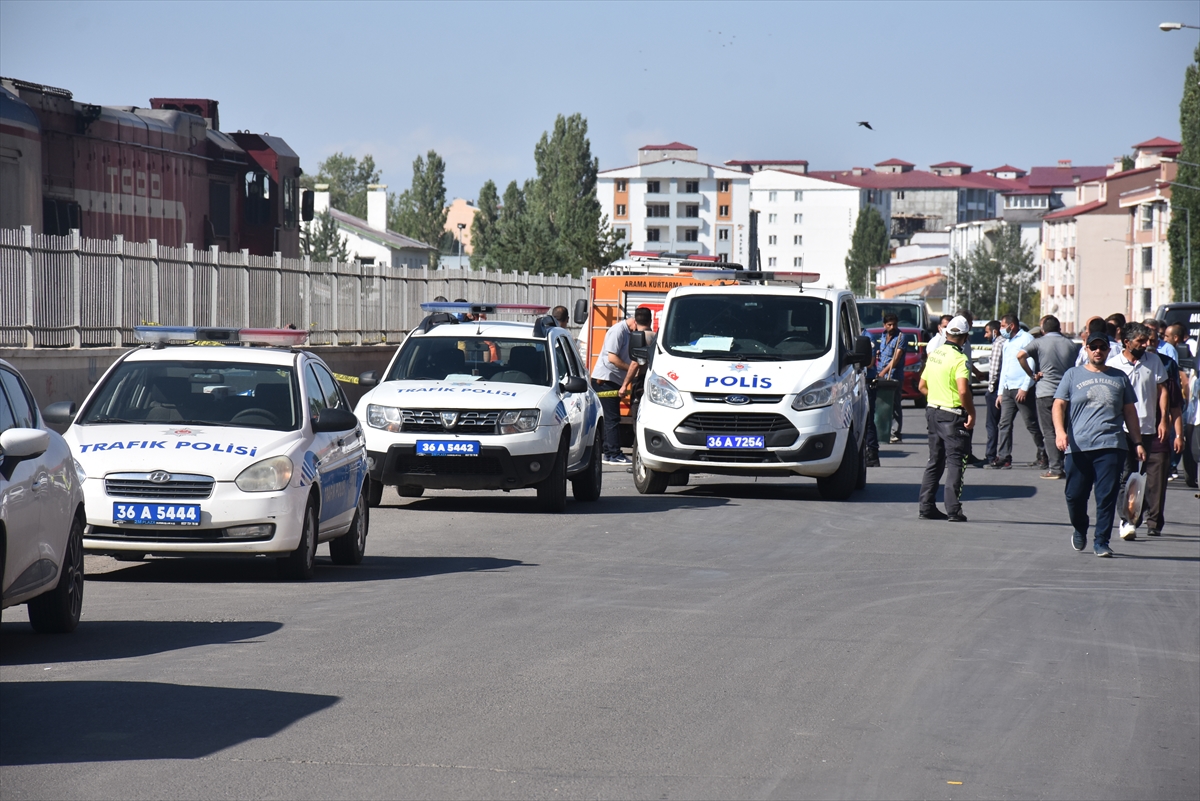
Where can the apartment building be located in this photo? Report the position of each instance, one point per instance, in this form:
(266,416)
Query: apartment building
(672,202)
(1148,260)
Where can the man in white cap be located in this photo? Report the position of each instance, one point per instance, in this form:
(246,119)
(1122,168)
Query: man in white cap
(950,417)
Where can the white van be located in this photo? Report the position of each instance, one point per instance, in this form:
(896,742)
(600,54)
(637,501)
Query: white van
(755,380)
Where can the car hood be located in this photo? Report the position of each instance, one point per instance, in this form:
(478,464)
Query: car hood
(456,395)
(218,451)
(751,378)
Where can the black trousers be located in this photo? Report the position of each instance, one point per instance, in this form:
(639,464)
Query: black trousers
(949,446)
(612,417)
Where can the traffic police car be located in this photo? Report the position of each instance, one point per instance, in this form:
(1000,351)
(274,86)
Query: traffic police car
(472,404)
(219,449)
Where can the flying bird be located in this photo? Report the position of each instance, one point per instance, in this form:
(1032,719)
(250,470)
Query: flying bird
(866,125)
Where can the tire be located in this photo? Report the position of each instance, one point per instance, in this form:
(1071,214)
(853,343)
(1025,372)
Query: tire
(300,564)
(647,481)
(586,486)
(410,491)
(349,548)
(552,491)
(57,611)
(861,483)
(679,478)
(374,490)
(840,485)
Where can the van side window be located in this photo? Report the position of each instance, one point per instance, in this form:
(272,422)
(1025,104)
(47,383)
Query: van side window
(846,331)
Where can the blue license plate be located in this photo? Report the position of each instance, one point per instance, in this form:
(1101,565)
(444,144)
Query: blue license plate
(734,442)
(456,447)
(157,514)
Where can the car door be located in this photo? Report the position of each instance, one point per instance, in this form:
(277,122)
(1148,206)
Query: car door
(573,403)
(19,488)
(341,469)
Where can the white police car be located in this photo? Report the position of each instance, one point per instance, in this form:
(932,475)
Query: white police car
(220,449)
(473,404)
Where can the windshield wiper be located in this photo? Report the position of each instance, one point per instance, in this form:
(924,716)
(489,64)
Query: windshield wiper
(112,420)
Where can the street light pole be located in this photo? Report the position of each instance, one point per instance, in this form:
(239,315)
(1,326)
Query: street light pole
(1174,26)
(461,226)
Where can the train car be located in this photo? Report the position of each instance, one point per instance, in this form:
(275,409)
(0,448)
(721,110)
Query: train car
(166,173)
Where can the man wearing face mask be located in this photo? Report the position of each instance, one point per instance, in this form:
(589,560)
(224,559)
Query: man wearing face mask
(1149,379)
(1016,395)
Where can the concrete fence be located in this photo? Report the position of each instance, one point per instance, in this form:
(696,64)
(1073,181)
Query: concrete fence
(74,292)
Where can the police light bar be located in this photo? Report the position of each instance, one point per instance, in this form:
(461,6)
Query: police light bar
(162,334)
(758,275)
(483,308)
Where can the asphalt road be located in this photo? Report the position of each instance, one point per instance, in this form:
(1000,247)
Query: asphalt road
(731,639)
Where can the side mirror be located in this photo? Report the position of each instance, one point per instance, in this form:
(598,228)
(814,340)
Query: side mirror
(61,413)
(640,355)
(574,384)
(581,312)
(368,379)
(333,421)
(637,339)
(23,443)
(306,205)
(861,355)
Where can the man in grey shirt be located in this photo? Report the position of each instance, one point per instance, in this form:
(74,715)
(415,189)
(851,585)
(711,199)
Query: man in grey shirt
(607,376)
(1053,354)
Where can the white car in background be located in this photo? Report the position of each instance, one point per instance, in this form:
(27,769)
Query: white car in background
(41,512)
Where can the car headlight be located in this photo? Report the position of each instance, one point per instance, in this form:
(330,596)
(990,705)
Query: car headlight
(386,417)
(79,471)
(662,392)
(518,421)
(269,475)
(817,395)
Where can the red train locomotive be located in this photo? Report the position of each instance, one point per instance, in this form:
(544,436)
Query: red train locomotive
(167,173)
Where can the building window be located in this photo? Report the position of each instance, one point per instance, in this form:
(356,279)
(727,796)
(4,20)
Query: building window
(723,256)
(692,187)
(772,196)
(772,239)
(691,210)
(1147,217)
(658,210)
(723,211)
(691,234)
(772,218)
(799,195)
(798,261)
(723,234)
(1147,258)
(722,186)
(620,209)
(622,185)
(652,234)
(770,261)
(1147,296)
(797,218)
(899,195)
(653,187)
(797,240)
(621,232)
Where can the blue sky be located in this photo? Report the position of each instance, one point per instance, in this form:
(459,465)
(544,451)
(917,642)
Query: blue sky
(984,83)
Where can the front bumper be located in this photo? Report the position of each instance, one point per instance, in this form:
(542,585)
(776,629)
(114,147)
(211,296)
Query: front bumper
(494,468)
(227,508)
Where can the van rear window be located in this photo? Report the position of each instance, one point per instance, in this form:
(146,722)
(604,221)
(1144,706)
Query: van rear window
(751,327)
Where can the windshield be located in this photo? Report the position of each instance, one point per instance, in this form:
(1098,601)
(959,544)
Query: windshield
(515,361)
(871,313)
(977,337)
(760,327)
(197,393)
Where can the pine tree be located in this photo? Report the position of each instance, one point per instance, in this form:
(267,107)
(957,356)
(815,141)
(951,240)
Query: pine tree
(868,249)
(348,179)
(564,194)
(1185,202)
(324,240)
(484,227)
(420,211)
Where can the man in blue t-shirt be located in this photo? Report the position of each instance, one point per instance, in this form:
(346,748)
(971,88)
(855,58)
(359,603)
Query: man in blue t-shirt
(1091,405)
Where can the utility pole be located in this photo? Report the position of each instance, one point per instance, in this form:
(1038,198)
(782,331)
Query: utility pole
(754,240)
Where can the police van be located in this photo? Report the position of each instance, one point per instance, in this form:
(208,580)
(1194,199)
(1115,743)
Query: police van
(763,378)
(193,445)
(477,404)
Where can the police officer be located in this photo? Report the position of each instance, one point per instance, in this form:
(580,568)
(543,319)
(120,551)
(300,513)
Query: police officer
(950,416)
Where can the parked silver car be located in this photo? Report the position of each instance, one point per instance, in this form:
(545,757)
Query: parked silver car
(41,512)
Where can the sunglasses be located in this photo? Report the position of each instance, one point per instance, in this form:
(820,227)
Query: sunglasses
(1100,346)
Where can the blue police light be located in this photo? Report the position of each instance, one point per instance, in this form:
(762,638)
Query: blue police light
(164,334)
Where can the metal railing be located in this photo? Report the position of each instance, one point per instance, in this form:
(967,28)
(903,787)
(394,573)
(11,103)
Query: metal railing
(69,291)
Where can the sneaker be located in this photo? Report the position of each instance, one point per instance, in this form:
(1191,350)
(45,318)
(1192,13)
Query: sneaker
(1006,464)
(1128,531)
(934,514)
(1078,541)
(994,464)
(1153,532)
(872,458)
(1102,550)
(620,459)
(1051,475)
(894,440)
(957,517)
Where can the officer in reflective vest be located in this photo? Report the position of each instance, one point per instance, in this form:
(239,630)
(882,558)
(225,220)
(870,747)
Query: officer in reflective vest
(950,416)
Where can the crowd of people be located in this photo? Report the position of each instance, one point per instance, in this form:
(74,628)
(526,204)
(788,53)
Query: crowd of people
(1115,406)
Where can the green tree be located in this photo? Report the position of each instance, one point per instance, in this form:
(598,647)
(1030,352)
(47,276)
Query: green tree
(868,249)
(420,211)
(484,231)
(322,240)
(1000,263)
(348,179)
(564,194)
(1185,202)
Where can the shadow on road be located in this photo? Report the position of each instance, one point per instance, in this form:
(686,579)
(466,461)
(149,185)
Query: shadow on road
(634,504)
(116,639)
(194,570)
(1127,555)
(57,722)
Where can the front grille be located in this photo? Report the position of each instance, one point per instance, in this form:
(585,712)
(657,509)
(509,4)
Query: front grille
(735,423)
(701,397)
(139,485)
(471,421)
(449,465)
(737,457)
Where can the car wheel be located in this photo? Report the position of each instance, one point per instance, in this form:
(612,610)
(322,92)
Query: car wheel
(840,485)
(300,564)
(57,611)
(349,548)
(410,491)
(552,491)
(647,481)
(586,486)
(679,478)
(374,490)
